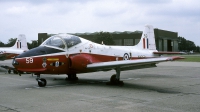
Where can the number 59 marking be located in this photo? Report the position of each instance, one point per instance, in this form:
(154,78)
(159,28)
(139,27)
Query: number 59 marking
(29,60)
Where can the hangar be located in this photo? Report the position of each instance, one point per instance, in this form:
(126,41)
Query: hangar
(165,40)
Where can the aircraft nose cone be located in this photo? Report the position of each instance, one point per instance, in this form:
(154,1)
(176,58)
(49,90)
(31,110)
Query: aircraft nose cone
(14,62)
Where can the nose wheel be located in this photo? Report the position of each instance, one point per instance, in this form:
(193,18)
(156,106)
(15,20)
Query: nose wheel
(41,81)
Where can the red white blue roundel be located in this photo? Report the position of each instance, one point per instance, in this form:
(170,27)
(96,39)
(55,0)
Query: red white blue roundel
(126,56)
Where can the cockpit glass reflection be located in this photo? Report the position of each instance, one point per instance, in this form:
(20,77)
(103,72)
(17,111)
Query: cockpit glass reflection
(62,41)
(56,42)
(71,41)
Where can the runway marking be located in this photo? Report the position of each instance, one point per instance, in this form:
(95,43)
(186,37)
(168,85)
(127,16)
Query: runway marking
(130,79)
(137,79)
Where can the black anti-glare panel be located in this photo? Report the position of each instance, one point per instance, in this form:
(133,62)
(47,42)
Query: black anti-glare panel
(41,50)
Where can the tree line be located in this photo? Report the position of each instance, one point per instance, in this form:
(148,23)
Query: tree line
(187,45)
(12,41)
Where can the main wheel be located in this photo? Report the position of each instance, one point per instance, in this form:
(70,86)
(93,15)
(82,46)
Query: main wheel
(72,77)
(113,78)
(42,82)
(114,81)
(9,71)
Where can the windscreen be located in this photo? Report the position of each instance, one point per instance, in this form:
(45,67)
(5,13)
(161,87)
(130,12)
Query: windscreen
(56,42)
(62,41)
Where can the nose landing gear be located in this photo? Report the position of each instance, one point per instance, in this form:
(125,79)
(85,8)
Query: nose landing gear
(41,81)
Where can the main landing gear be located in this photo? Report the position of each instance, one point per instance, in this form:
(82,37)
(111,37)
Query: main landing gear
(115,79)
(41,81)
(9,71)
(72,77)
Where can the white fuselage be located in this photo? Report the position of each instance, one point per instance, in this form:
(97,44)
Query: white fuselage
(133,52)
(9,52)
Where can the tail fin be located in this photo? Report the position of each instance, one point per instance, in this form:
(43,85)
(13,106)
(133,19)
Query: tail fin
(147,40)
(21,43)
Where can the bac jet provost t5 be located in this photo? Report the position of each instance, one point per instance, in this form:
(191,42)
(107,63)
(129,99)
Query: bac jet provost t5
(69,54)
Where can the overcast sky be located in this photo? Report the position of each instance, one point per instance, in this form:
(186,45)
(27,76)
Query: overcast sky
(31,17)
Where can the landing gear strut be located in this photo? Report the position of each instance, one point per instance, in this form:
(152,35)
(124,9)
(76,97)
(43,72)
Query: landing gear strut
(115,79)
(41,81)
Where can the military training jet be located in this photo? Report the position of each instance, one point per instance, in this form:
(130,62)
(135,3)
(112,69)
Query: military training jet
(71,55)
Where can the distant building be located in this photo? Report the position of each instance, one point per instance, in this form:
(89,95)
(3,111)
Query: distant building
(42,37)
(165,40)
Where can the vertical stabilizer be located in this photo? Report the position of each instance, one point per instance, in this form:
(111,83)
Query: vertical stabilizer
(21,43)
(147,40)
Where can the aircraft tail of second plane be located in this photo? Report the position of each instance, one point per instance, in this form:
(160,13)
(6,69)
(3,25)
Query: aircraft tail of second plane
(21,43)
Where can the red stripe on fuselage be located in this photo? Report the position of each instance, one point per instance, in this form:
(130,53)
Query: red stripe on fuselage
(144,43)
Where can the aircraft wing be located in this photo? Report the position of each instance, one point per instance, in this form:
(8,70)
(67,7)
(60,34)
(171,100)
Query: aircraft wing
(7,67)
(124,64)
(163,52)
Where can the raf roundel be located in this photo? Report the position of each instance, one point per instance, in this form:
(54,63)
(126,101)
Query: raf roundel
(126,56)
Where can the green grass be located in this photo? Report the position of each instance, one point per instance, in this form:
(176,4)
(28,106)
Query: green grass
(190,58)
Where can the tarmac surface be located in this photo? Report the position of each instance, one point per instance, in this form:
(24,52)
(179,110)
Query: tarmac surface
(170,87)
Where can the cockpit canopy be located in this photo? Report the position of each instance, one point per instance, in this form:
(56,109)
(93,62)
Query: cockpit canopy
(62,41)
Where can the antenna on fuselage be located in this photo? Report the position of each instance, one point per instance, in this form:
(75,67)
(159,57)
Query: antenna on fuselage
(102,43)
